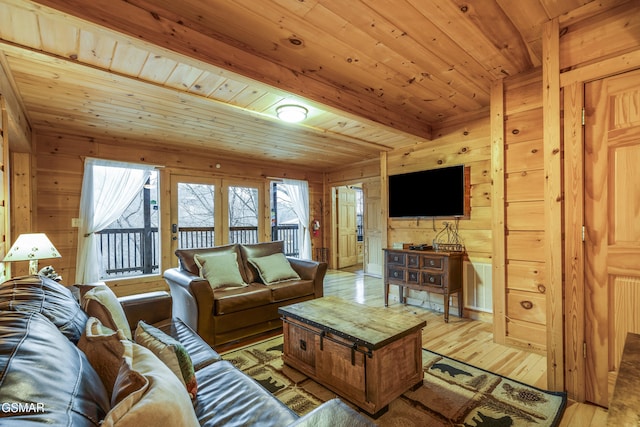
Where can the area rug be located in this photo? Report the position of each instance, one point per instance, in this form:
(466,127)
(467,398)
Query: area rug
(453,393)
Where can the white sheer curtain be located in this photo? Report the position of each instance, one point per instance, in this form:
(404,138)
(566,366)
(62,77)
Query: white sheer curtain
(299,193)
(108,187)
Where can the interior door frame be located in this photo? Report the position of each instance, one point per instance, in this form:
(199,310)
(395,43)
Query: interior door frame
(333,258)
(573,95)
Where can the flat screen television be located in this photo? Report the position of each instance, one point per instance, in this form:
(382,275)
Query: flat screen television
(442,192)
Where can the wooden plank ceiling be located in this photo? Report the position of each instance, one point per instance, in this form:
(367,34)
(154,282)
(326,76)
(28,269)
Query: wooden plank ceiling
(374,75)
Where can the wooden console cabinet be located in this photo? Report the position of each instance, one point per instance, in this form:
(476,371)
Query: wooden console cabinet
(432,271)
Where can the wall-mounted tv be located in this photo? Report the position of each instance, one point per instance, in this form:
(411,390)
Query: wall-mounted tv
(442,192)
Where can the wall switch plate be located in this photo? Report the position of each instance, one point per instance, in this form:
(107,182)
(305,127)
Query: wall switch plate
(75,222)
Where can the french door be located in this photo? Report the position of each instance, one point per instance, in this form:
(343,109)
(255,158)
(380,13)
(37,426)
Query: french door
(208,212)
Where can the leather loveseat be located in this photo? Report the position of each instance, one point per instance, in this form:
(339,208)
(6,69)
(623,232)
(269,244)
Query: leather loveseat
(228,313)
(46,379)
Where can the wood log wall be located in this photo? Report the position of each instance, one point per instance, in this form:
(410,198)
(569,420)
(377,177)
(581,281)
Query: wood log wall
(59,170)
(525,288)
(454,143)
(4,190)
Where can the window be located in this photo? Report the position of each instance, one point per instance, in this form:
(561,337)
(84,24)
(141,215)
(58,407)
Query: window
(129,245)
(196,215)
(118,233)
(290,217)
(359,214)
(284,221)
(243,214)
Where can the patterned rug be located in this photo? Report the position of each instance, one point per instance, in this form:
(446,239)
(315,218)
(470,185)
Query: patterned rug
(453,394)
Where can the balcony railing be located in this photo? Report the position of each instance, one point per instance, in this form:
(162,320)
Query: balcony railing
(134,251)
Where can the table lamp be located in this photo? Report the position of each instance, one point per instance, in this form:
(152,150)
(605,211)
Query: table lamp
(32,247)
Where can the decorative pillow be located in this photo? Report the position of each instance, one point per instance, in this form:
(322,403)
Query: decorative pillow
(102,303)
(274,268)
(220,270)
(186,257)
(104,349)
(171,352)
(257,250)
(148,393)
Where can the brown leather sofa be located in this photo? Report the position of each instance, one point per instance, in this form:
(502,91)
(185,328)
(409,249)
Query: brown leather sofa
(46,379)
(224,315)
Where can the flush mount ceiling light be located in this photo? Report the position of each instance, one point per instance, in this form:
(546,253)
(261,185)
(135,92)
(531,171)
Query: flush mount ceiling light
(291,113)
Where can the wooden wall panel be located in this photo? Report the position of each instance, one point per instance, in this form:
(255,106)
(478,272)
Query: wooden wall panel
(526,276)
(527,216)
(524,186)
(5,234)
(525,246)
(524,156)
(524,211)
(589,40)
(526,334)
(527,306)
(467,144)
(59,169)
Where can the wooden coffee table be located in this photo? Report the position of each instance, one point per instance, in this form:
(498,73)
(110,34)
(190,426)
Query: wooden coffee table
(367,355)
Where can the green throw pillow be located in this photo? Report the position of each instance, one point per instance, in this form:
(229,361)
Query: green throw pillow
(171,352)
(220,269)
(274,268)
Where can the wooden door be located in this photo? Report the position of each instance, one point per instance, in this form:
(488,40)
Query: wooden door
(373,260)
(347,232)
(612,219)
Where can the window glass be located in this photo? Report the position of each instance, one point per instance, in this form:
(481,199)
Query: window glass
(243,214)
(130,245)
(196,220)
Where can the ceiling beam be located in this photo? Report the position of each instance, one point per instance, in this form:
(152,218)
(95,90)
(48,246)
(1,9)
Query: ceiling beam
(150,26)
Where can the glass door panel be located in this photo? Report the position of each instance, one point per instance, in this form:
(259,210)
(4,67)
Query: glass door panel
(196,215)
(243,214)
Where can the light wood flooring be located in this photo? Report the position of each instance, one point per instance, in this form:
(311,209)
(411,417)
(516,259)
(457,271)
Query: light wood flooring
(463,339)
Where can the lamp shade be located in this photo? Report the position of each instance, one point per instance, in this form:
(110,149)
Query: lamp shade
(31,247)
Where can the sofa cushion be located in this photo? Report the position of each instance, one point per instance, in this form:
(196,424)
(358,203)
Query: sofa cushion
(152,395)
(291,289)
(188,263)
(102,303)
(171,352)
(230,398)
(257,250)
(104,349)
(220,269)
(39,365)
(48,297)
(274,268)
(232,300)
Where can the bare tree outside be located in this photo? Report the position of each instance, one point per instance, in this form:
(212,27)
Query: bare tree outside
(243,215)
(196,205)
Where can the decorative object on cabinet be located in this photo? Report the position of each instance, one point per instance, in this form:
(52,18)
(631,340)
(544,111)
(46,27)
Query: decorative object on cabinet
(448,238)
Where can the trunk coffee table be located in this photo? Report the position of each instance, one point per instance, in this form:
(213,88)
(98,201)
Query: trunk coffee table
(367,355)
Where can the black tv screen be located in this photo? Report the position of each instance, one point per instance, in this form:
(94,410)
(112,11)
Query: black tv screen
(428,193)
